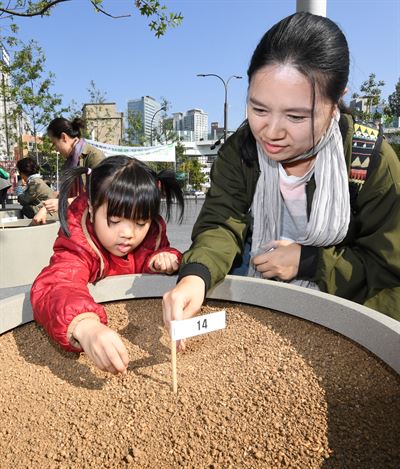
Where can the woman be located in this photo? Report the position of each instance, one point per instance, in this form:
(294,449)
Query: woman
(279,203)
(36,190)
(66,136)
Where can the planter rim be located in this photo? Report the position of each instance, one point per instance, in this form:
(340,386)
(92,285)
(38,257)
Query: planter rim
(377,332)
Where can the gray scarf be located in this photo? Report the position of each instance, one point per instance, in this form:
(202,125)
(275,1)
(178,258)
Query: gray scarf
(330,210)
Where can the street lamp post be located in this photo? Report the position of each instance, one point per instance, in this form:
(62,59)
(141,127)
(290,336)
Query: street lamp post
(225,83)
(162,108)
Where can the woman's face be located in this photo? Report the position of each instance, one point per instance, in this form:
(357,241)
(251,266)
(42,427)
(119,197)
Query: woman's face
(279,110)
(118,235)
(64,144)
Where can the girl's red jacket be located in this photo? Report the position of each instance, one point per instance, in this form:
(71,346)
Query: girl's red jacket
(60,292)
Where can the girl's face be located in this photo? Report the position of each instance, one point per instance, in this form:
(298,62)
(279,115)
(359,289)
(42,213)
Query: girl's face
(279,110)
(119,235)
(65,144)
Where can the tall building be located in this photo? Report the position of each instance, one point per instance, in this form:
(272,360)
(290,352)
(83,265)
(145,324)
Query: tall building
(104,123)
(192,125)
(146,107)
(217,132)
(6,144)
(196,120)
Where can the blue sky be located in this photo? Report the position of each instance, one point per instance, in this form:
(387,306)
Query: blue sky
(126,61)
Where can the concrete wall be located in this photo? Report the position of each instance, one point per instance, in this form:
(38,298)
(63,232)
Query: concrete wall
(24,251)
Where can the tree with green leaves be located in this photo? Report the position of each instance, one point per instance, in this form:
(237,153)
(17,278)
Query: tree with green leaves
(394,100)
(371,91)
(29,92)
(160,18)
(134,135)
(189,169)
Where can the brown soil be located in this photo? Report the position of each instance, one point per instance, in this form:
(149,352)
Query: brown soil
(270,391)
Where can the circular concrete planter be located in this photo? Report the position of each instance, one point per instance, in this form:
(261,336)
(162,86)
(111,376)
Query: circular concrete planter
(376,332)
(24,251)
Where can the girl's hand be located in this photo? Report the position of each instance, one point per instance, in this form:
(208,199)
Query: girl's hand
(102,345)
(40,217)
(183,302)
(51,205)
(282,262)
(164,262)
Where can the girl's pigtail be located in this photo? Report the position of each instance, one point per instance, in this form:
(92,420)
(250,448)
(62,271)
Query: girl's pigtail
(172,190)
(69,177)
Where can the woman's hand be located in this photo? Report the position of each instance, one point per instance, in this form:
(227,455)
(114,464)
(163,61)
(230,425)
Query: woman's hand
(183,302)
(41,216)
(281,262)
(164,262)
(51,205)
(102,345)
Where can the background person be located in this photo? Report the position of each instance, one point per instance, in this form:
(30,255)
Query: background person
(279,203)
(5,184)
(113,229)
(67,139)
(36,190)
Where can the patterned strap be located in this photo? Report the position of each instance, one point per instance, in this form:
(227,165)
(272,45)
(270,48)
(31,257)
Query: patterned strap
(365,153)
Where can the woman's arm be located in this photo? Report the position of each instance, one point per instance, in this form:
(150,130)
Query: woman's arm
(219,232)
(369,259)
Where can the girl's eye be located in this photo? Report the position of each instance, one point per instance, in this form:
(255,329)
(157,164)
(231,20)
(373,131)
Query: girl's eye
(296,118)
(114,221)
(141,223)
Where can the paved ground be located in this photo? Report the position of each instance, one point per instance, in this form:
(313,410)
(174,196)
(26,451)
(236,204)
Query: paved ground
(178,234)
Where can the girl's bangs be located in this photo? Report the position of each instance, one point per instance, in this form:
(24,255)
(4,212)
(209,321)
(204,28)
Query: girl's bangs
(132,201)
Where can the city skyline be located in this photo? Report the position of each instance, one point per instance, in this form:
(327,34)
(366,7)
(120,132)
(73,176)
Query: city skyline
(126,61)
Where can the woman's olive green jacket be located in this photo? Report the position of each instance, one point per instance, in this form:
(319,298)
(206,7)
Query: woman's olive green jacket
(364,268)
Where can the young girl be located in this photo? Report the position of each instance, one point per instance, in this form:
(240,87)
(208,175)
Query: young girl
(36,190)
(279,206)
(67,138)
(113,228)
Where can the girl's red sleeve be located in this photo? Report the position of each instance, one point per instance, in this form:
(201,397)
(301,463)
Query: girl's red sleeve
(60,292)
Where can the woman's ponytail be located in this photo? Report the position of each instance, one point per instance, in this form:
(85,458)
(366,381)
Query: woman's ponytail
(70,176)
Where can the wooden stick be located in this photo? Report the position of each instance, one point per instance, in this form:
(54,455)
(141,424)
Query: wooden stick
(173,361)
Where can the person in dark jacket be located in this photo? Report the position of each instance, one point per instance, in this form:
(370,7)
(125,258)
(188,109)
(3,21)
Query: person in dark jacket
(36,190)
(67,138)
(279,202)
(112,229)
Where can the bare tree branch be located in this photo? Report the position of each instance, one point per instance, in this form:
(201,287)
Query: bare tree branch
(35,13)
(105,12)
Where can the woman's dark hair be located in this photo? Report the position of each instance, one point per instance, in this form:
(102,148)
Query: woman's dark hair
(72,128)
(27,166)
(131,189)
(313,45)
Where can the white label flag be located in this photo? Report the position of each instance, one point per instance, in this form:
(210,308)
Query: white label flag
(198,325)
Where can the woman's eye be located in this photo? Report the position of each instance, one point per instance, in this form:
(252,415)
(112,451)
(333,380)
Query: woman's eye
(296,118)
(114,221)
(259,110)
(141,223)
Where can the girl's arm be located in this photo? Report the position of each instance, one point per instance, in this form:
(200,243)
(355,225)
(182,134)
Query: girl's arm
(60,293)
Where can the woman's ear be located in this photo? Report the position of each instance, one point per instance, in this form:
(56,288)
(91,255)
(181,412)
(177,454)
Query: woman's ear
(336,106)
